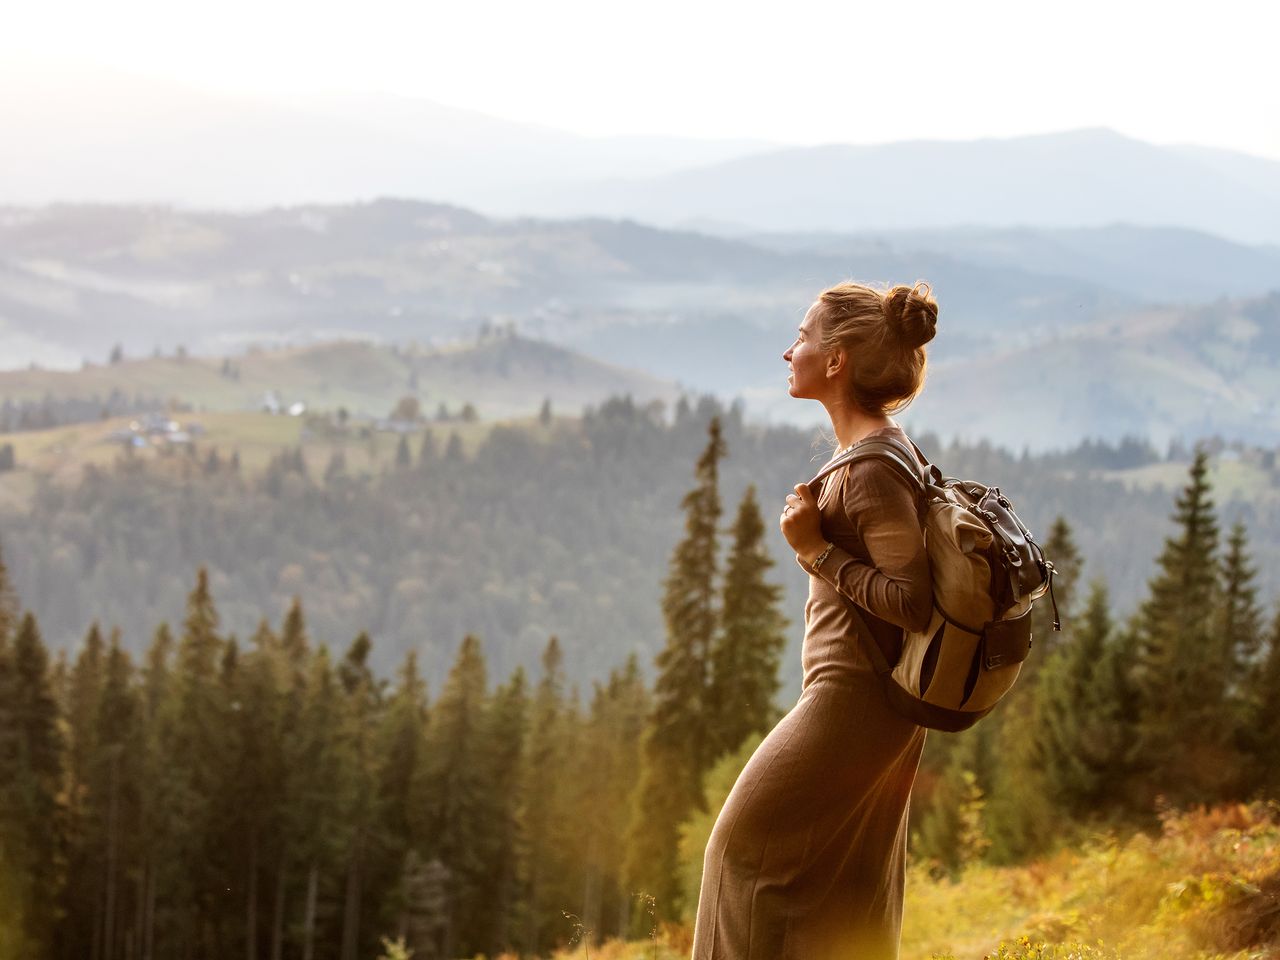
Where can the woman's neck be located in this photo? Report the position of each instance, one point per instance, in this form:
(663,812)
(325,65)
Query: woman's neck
(850,424)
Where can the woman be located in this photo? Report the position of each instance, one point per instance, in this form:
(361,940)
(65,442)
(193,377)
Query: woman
(806,861)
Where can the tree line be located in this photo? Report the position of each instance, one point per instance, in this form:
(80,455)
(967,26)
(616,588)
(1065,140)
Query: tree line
(585,509)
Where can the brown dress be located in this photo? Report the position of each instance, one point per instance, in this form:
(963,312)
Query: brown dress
(807,858)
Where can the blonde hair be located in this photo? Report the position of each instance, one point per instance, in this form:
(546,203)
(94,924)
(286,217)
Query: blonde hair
(883,333)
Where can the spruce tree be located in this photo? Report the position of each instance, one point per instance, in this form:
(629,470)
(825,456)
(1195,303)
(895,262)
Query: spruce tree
(262,781)
(678,742)
(1181,676)
(8,604)
(546,827)
(317,831)
(157,785)
(401,749)
(1080,734)
(744,661)
(361,702)
(84,695)
(196,755)
(450,795)
(504,847)
(32,813)
(607,773)
(1239,622)
(1261,736)
(112,815)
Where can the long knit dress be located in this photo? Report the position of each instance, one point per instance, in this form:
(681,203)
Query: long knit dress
(807,858)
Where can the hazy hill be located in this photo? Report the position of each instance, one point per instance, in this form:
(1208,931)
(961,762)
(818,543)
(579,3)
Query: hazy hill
(501,374)
(1079,178)
(1159,264)
(1156,373)
(711,313)
(83,278)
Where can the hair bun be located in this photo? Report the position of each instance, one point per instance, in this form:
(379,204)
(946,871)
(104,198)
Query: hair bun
(912,314)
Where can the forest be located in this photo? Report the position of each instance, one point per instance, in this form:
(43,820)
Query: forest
(275,797)
(402,543)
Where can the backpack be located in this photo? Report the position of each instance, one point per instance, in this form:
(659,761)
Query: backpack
(987,570)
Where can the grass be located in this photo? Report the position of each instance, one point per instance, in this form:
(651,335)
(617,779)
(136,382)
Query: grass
(1207,887)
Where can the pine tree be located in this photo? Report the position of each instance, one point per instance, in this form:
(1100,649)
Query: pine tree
(156,786)
(112,814)
(8,604)
(262,781)
(546,827)
(744,661)
(678,746)
(1181,676)
(504,740)
(317,831)
(32,815)
(952,832)
(451,794)
(361,702)
(196,755)
(401,750)
(607,774)
(1262,729)
(1080,733)
(1239,623)
(84,695)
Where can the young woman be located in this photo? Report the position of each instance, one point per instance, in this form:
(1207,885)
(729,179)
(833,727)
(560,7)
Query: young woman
(806,861)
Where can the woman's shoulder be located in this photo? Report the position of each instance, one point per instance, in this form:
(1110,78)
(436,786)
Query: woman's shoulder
(873,478)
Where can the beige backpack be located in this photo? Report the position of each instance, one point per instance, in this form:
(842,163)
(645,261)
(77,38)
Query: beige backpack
(987,571)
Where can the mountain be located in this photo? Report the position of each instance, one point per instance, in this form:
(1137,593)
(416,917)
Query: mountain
(1080,178)
(104,136)
(709,313)
(1158,264)
(1158,373)
(82,278)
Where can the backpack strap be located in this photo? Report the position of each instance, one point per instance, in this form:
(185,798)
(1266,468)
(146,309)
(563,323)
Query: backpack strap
(885,448)
(897,454)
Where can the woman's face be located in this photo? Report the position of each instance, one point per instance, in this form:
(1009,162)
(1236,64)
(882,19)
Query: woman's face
(807,361)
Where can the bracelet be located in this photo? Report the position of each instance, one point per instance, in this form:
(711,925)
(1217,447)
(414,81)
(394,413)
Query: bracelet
(822,556)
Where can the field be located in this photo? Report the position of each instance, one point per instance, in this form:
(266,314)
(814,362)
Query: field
(1207,887)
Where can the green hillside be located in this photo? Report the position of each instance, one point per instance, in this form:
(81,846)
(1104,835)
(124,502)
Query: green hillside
(500,373)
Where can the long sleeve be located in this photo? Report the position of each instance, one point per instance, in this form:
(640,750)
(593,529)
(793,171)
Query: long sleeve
(895,586)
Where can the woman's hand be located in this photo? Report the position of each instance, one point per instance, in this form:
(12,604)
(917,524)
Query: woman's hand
(801,523)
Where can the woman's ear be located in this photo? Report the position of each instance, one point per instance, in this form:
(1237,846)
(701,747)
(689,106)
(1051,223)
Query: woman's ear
(836,361)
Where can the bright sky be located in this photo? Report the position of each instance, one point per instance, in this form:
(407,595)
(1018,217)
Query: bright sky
(801,72)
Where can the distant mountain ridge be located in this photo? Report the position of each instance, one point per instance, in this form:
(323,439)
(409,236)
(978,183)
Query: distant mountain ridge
(106,136)
(695,312)
(1079,178)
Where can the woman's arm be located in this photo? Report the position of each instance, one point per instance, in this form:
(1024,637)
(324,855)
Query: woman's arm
(896,585)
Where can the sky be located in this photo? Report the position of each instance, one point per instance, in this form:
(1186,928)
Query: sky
(801,72)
